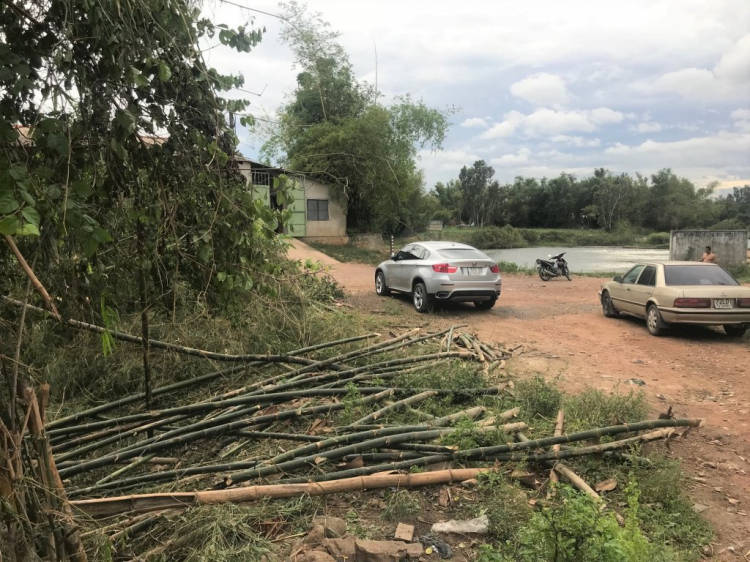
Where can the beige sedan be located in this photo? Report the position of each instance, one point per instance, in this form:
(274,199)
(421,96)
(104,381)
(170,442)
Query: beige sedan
(677,292)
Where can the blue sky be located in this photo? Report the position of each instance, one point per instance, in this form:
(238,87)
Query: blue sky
(543,86)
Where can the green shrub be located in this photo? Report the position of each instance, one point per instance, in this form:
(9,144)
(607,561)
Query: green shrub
(538,397)
(658,238)
(574,529)
(505,505)
(494,237)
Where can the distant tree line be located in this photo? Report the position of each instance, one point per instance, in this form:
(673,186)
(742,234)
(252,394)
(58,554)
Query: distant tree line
(605,200)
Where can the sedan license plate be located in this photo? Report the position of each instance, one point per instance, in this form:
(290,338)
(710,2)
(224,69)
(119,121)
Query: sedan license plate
(473,270)
(722,303)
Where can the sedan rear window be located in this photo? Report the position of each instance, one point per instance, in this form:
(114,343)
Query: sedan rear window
(697,275)
(462,254)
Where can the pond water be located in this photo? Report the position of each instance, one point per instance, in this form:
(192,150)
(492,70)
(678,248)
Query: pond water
(586,259)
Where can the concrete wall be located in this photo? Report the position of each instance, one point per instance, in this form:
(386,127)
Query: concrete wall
(336,223)
(730,246)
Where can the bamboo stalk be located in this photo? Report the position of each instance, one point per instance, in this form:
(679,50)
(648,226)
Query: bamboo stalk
(71,539)
(559,431)
(190,382)
(34,281)
(204,430)
(246,358)
(163,476)
(482,452)
(578,451)
(471,413)
(203,407)
(126,468)
(396,406)
(103,507)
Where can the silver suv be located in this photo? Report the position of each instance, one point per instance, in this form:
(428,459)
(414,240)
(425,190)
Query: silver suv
(440,271)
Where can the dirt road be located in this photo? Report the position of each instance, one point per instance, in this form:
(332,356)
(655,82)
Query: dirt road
(700,372)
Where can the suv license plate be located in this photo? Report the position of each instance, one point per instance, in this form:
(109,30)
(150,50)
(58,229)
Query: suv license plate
(473,270)
(722,303)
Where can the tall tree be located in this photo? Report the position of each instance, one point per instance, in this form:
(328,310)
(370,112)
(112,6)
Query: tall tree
(480,194)
(333,127)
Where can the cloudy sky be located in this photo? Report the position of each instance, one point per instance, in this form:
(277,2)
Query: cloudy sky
(543,86)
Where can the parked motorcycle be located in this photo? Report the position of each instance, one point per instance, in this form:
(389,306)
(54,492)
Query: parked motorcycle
(555,266)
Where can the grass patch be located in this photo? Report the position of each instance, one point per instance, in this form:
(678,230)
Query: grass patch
(538,398)
(401,505)
(594,408)
(352,254)
(740,272)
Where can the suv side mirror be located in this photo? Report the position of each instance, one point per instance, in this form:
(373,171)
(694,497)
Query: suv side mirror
(393,256)
(617,279)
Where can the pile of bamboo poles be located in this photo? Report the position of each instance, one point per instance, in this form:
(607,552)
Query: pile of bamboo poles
(108,455)
(99,440)
(321,425)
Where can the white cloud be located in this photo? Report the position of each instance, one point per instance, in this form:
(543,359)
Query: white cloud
(648,127)
(741,119)
(542,89)
(545,121)
(475,122)
(729,78)
(579,142)
(724,149)
(521,157)
(734,66)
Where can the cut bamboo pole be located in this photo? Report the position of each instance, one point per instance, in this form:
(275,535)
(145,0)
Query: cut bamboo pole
(204,430)
(137,462)
(156,344)
(34,281)
(483,452)
(104,507)
(558,431)
(396,406)
(471,413)
(71,538)
(190,382)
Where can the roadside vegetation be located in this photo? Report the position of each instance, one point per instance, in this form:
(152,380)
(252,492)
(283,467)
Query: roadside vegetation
(352,254)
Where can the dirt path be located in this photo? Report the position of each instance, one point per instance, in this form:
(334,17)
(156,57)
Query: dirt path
(700,372)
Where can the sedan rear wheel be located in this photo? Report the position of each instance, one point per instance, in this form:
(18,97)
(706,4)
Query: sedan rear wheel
(380,287)
(608,308)
(654,322)
(423,301)
(735,330)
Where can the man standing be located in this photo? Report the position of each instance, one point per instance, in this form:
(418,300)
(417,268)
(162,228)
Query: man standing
(708,256)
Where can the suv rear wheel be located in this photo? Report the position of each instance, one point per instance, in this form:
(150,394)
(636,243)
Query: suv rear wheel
(485,305)
(380,287)
(423,301)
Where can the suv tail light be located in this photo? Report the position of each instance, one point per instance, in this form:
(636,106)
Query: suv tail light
(692,303)
(444,268)
(495,269)
(743,303)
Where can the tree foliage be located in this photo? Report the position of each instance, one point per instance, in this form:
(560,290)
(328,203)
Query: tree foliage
(333,127)
(662,202)
(117,155)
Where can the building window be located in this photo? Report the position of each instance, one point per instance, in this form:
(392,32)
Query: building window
(317,209)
